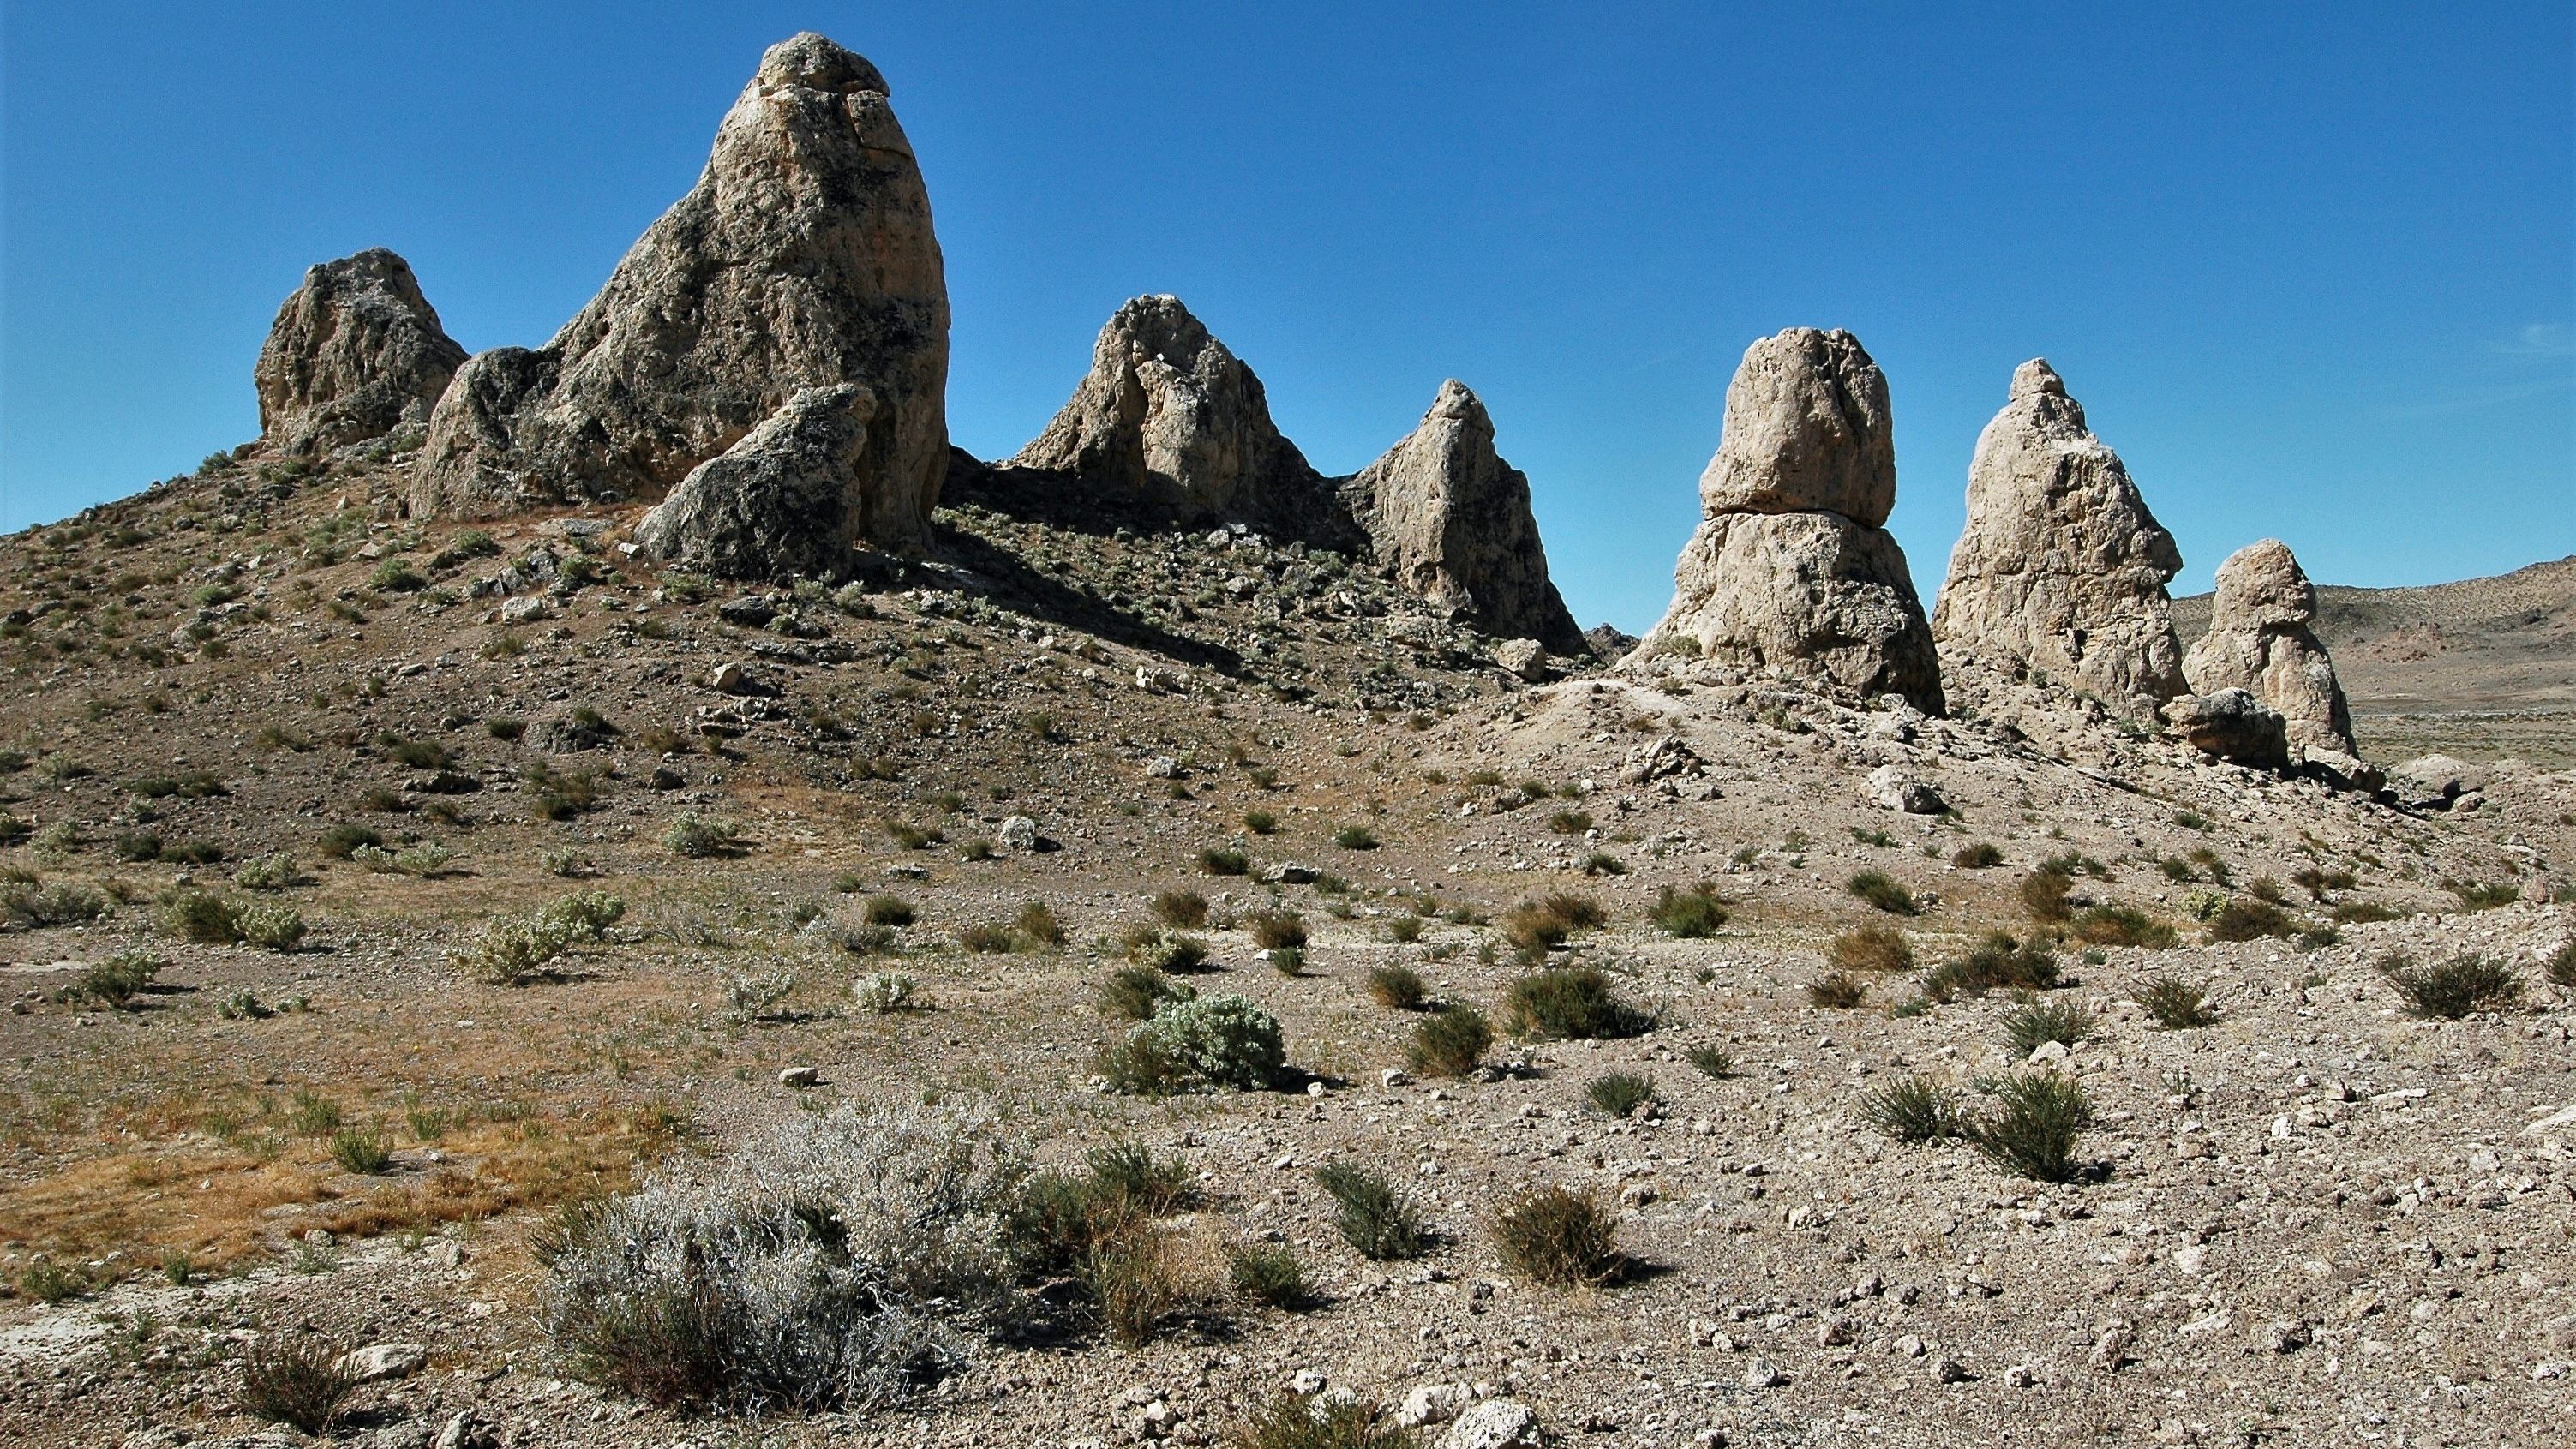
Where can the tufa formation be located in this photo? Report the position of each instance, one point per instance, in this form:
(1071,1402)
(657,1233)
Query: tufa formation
(1790,568)
(803,258)
(2061,568)
(1453,520)
(2259,641)
(354,353)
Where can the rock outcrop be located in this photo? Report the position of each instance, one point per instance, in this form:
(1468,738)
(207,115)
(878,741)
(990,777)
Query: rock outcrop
(2259,641)
(1170,422)
(804,257)
(2061,568)
(1790,569)
(1452,520)
(786,501)
(2232,725)
(355,352)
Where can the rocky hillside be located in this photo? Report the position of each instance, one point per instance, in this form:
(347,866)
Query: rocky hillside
(2483,668)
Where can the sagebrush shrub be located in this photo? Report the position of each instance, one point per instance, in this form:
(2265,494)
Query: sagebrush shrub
(1135,992)
(2453,988)
(1187,910)
(2250,920)
(1912,1109)
(1871,948)
(2121,926)
(2029,1027)
(1997,962)
(1619,1093)
(1881,891)
(698,836)
(2174,1003)
(883,992)
(1320,1422)
(834,1263)
(2032,1126)
(1397,988)
(1268,1273)
(295,1381)
(514,949)
(1222,1040)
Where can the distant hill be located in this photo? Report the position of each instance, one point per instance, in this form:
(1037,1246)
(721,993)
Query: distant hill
(2481,668)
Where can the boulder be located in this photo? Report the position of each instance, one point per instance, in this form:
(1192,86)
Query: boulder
(2232,725)
(1523,659)
(355,352)
(2259,641)
(2434,782)
(803,258)
(1808,429)
(1171,423)
(2061,567)
(787,501)
(380,1361)
(1452,520)
(1495,1424)
(1893,787)
(1789,569)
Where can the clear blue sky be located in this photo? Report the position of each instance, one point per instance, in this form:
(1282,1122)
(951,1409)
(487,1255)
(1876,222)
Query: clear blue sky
(2309,267)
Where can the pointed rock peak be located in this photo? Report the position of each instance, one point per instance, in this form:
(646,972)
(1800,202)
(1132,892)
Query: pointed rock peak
(2259,641)
(1806,430)
(1456,400)
(815,63)
(1156,326)
(354,353)
(2061,568)
(1452,520)
(2036,376)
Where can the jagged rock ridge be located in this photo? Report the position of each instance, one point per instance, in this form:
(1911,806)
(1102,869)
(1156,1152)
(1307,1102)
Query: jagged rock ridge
(1779,574)
(355,352)
(2061,567)
(1453,520)
(804,257)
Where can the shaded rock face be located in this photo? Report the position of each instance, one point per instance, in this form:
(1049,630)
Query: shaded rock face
(804,257)
(2230,724)
(786,501)
(1171,421)
(2259,641)
(354,353)
(2061,567)
(1453,520)
(1779,574)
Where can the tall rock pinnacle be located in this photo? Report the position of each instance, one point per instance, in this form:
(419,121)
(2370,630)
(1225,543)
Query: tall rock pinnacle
(2061,567)
(1790,568)
(355,352)
(1452,519)
(803,258)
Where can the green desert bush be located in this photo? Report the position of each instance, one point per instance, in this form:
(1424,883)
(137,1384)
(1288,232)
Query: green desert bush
(1182,910)
(2453,988)
(697,836)
(1619,1093)
(2173,1003)
(2031,1128)
(888,911)
(1374,1214)
(1218,1040)
(1837,991)
(1913,1109)
(1397,988)
(1881,892)
(2034,1024)
(1997,962)
(1572,1002)
(300,1382)
(115,981)
(1559,1238)
(2121,926)
(1981,856)
(2044,892)
(2250,920)
(1712,1060)
(1133,993)
(1693,914)
(1277,930)
(1268,1274)
(1449,1042)
(1321,1422)
(361,1150)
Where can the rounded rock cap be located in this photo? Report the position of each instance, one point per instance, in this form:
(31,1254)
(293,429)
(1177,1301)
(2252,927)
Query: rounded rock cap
(2036,376)
(816,63)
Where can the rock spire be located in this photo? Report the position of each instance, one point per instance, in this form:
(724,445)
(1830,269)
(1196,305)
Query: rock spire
(2061,567)
(803,258)
(2259,641)
(1790,568)
(1452,519)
